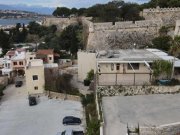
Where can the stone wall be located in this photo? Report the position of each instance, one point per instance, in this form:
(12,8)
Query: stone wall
(61,23)
(62,96)
(168,15)
(136,90)
(169,129)
(121,35)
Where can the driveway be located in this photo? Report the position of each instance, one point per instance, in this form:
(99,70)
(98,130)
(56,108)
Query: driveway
(18,118)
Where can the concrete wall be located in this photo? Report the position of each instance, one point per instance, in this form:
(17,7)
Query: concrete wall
(86,62)
(31,84)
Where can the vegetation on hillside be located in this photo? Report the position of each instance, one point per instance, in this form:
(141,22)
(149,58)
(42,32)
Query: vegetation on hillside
(115,11)
(70,39)
(110,12)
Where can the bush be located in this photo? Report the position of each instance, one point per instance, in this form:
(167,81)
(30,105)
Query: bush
(1,90)
(87,82)
(90,75)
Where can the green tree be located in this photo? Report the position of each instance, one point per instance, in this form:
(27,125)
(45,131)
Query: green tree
(69,39)
(130,12)
(4,41)
(162,43)
(62,11)
(162,68)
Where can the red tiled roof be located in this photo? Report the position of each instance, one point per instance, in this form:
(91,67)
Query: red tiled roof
(45,51)
(10,53)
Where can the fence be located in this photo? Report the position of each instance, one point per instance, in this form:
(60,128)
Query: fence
(123,78)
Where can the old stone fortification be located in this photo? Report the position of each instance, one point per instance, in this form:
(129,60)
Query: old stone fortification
(61,23)
(127,34)
(136,90)
(167,15)
(121,35)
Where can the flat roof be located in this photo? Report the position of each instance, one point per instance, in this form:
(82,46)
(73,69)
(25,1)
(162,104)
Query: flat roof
(147,110)
(177,63)
(127,55)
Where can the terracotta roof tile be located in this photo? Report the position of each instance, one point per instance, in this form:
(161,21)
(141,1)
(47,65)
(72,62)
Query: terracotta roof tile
(11,53)
(45,51)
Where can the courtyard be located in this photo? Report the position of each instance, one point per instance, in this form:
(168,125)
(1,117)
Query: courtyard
(147,110)
(18,118)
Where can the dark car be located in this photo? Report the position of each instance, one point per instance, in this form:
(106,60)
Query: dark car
(71,120)
(32,100)
(18,83)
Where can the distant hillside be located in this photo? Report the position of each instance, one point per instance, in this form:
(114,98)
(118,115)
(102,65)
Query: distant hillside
(37,9)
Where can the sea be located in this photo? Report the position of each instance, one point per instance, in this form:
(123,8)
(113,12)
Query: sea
(5,22)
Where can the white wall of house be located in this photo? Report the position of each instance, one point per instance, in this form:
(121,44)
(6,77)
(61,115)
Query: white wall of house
(86,62)
(35,80)
(50,58)
(30,56)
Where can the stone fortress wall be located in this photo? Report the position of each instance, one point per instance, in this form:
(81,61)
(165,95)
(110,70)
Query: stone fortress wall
(61,23)
(122,35)
(168,15)
(130,34)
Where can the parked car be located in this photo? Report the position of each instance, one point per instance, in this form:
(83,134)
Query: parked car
(18,83)
(71,120)
(70,132)
(32,101)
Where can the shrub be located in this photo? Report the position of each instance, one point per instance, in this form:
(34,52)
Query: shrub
(90,75)
(87,82)
(1,90)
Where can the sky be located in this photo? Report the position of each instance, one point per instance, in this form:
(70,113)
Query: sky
(60,3)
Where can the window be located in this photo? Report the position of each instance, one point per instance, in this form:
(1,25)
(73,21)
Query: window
(31,58)
(134,65)
(35,77)
(14,63)
(117,66)
(20,63)
(50,58)
(112,67)
(36,88)
(8,65)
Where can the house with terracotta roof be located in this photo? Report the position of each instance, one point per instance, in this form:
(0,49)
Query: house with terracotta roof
(47,55)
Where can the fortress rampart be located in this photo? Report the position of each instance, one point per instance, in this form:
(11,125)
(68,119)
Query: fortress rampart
(167,15)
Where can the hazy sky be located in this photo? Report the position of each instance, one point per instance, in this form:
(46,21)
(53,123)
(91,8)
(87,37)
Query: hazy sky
(59,3)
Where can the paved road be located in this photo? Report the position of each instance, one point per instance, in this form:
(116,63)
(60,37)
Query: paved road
(18,118)
(146,110)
